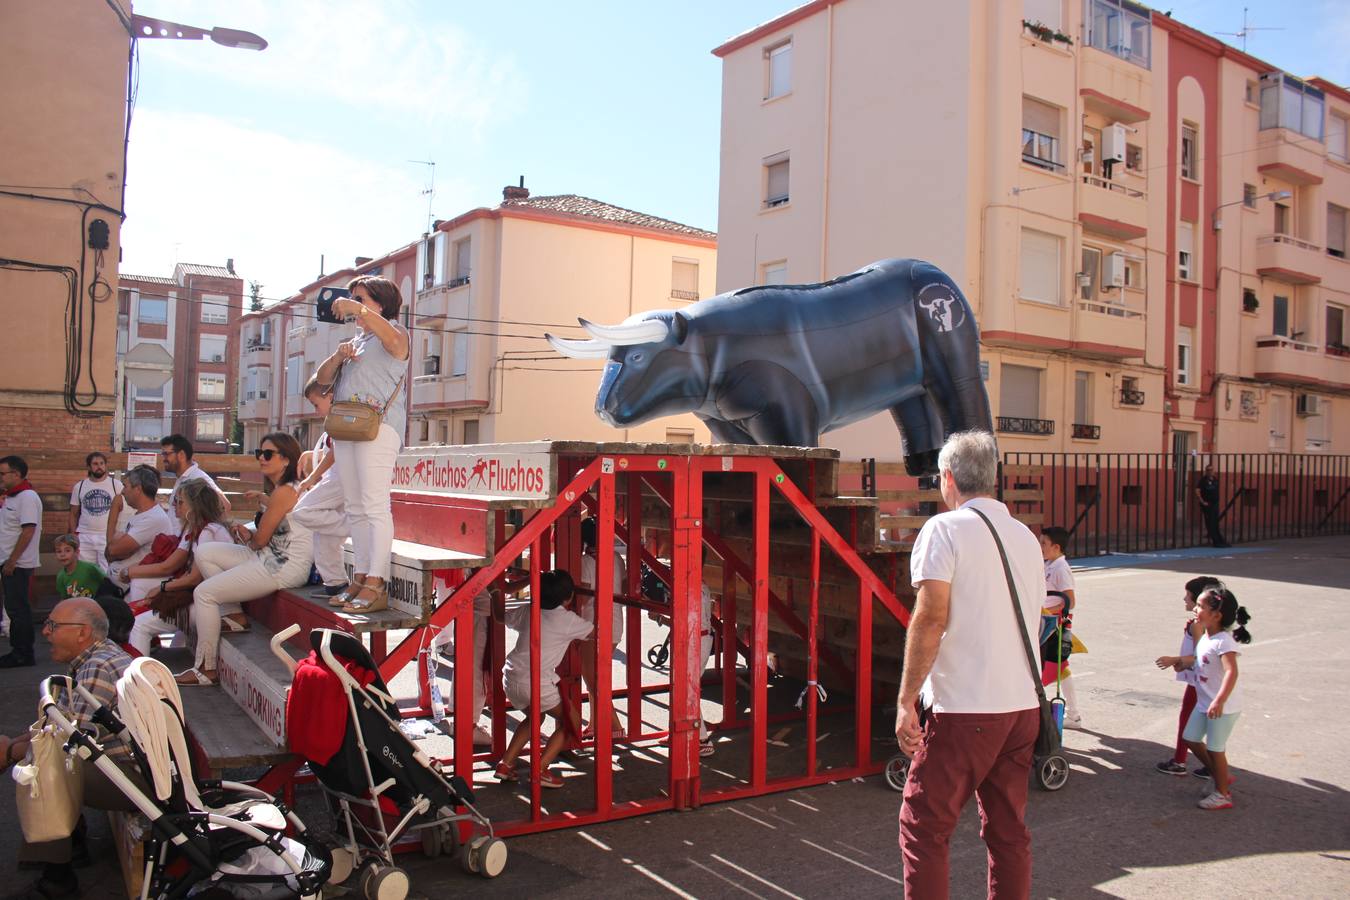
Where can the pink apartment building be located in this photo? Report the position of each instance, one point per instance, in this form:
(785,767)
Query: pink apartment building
(1150,225)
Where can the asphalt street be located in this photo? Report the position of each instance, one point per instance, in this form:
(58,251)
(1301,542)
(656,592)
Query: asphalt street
(1117,829)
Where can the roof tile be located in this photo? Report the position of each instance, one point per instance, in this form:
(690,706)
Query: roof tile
(585,207)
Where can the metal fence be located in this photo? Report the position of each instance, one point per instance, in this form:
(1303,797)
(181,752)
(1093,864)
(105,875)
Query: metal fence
(1132,502)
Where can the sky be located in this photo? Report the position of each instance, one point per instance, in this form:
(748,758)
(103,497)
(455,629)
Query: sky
(306,149)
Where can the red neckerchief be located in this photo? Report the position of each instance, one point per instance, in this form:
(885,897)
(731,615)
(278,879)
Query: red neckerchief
(19,488)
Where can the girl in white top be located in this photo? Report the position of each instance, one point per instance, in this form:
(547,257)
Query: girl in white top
(1218,700)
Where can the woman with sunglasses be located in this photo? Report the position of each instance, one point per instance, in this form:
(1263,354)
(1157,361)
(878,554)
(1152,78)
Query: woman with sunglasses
(370,368)
(274,557)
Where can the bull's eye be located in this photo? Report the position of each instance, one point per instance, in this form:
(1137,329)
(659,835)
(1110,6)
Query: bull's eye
(635,357)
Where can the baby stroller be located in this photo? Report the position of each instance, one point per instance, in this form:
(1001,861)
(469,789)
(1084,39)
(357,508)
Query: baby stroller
(383,786)
(204,835)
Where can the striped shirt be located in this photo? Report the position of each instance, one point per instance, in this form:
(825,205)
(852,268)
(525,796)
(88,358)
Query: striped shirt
(97,670)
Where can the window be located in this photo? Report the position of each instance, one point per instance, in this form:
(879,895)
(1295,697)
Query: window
(1186,251)
(211,425)
(459,361)
(1134,159)
(684,279)
(1190,142)
(1019,392)
(1317,434)
(679,435)
(215,309)
(470,431)
(1336,222)
(212,348)
(461,272)
(1279,421)
(1089,277)
(776,180)
(777,70)
(1252,92)
(1249,196)
(155,393)
(1134,273)
(1047,12)
(1040,134)
(424,430)
(1280,316)
(1335,327)
(1281,218)
(152,311)
(427,252)
(1338,128)
(443,430)
(773,272)
(147,428)
(1183,356)
(294,367)
(1286,102)
(1082,398)
(210,387)
(1040,267)
(1120,27)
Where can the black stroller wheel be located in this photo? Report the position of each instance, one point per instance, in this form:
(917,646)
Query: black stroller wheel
(1052,772)
(660,654)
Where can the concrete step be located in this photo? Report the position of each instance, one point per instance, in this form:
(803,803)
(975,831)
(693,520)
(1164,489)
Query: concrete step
(412,583)
(255,679)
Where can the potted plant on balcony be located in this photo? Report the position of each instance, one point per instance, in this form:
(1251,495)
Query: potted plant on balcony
(1250,303)
(1046,33)
(1336,349)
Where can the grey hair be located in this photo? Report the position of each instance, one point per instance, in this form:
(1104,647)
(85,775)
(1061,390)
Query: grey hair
(91,614)
(972,458)
(145,479)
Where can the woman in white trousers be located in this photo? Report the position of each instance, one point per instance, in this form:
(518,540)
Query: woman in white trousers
(274,557)
(371,369)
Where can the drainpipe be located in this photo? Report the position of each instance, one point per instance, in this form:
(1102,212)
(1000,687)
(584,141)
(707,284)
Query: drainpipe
(829,116)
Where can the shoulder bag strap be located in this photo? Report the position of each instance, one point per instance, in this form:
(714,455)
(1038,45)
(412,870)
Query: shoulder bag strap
(398,387)
(1017,606)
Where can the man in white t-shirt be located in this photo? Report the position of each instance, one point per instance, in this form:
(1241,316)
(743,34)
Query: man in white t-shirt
(967,657)
(129,547)
(176,451)
(20,528)
(91,501)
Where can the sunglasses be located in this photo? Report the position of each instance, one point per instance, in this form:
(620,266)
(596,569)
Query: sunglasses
(265,454)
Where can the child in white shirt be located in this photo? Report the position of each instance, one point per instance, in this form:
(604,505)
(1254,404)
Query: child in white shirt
(558,628)
(1058,610)
(1218,700)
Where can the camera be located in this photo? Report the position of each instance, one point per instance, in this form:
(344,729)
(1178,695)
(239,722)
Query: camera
(324,304)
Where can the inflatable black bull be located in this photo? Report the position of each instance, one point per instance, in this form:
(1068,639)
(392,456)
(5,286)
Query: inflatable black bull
(780,364)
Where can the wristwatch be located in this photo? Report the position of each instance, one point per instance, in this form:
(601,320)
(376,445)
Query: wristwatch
(164,585)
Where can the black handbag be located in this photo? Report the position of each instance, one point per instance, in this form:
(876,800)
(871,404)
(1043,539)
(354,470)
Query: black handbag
(1048,738)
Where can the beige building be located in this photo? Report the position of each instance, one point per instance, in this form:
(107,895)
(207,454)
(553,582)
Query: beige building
(1065,162)
(62,129)
(489,284)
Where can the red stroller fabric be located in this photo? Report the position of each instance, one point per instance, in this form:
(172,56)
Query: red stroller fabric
(316,708)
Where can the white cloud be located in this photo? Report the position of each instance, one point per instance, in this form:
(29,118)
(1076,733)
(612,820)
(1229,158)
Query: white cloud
(202,189)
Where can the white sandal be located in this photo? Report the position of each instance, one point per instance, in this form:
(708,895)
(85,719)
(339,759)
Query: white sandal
(197,678)
(232,626)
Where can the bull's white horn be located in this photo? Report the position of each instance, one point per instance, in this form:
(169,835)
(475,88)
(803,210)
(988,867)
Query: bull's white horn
(645,331)
(579,349)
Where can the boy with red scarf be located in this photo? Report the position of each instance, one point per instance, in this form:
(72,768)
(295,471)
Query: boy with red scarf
(20,519)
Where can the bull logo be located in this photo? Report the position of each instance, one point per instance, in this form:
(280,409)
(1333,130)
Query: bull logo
(420,469)
(942,307)
(479,472)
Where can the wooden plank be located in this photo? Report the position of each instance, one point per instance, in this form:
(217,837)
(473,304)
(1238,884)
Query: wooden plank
(227,736)
(1022,469)
(855,467)
(928,496)
(1012,495)
(903,521)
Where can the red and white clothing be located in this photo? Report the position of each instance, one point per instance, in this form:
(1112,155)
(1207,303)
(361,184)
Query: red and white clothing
(586,603)
(149,625)
(144,526)
(558,628)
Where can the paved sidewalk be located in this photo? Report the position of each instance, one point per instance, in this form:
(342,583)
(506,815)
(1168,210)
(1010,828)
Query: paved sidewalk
(1118,829)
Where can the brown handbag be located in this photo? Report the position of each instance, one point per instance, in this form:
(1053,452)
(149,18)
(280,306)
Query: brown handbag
(352,420)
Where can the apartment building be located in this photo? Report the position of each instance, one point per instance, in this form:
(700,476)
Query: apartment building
(1066,162)
(177,356)
(479,292)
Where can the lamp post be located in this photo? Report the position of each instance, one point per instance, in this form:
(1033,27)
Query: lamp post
(145,28)
(1273,195)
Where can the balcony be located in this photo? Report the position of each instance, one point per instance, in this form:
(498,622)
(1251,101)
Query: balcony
(256,347)
(1113,208)
(1109,330)
(300,332)
(1290,156)
(1083,432)
(255,406)
(457,282)
(1131,397)
(1288,361)
(1288,259)
(1017,425)
(677,294)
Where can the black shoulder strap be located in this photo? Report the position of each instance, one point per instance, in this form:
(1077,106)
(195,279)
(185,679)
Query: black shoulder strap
(1017,606)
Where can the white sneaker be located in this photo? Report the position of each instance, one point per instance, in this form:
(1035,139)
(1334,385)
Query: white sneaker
(1215,800)
(1073,721)
(480,737)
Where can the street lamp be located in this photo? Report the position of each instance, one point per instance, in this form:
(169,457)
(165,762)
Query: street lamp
(1273,195)
(146,28)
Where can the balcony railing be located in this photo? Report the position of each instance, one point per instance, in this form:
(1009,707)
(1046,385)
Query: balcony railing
(256,345)
(1131,397)
(1041,150)
(1288,239)
(457,282)
(1109,185)
(1087,432)
(1017,425)
(1109,309)
(255,395)
(1279,340)
(677,294)
(300,331)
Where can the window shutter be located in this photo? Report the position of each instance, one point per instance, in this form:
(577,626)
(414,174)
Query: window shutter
(684,276)
(777,187)
(1336,228)
(1020,393)
(1041,117)
(1040,266)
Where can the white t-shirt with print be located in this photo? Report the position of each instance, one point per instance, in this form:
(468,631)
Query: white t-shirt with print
(24,508)
(981,664)
(1209,652)
(558,628)
(94,498)
(1058,577)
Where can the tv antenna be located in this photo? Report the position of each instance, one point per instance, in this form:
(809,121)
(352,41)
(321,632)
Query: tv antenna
(430,190)
(1248,29)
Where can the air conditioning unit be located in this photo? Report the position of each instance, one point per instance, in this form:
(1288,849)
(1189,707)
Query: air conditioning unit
(1113,270)
(431,365)
(1113,142)
(217,358)
(1309,405)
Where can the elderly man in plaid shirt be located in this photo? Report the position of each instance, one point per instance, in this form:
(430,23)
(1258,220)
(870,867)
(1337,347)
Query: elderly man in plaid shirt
(78,632)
